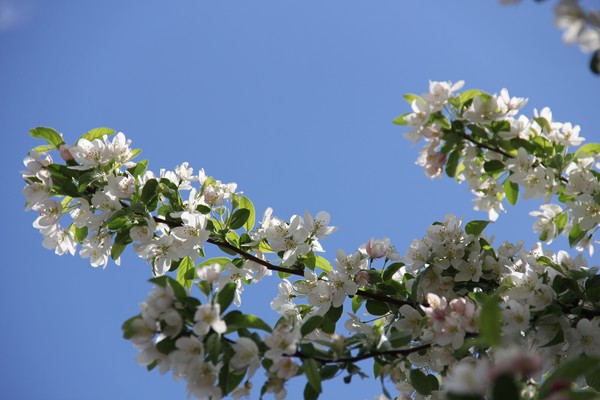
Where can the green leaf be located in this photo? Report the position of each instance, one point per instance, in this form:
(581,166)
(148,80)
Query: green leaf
(310,393)
(139,169)
(561,221)
(52,137)
(505,388)
(476,227)
(323,264)
(150,194)
(44,148)
(511,190)
(419,381)
(400,120)
(213,347)
(569,370)
(410,97)
(247,204)
(312,373)
(588,150)
(185,266)
(331,318)
(239,218)
(237,320)
(226,295)
(311,324)
(592,378)
(97,133)
(375,307)
(469,95)
(592,289)
(453,160)
(576,235)
(357,301)
(391,270)
(558,338)
(493,166)
(490,321)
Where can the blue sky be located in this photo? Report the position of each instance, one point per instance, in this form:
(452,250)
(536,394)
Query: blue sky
(291,100)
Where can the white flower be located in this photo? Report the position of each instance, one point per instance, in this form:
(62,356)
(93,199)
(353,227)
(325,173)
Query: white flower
(284,301)
(245,356)
(193,233)
(545,224)
(440,93)
(209,273)
(341,285)
(319,226)
(516,317)
(59,240)
(282,341)
(585,338)
(207,316)
(468,377)
(411,320)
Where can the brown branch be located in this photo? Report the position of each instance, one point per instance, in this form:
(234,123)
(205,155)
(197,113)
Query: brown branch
(394,352)
(485,146)
(499,151)
(293,271)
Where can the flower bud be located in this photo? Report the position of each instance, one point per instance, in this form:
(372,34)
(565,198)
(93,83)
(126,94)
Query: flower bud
(65,152)
(362,278)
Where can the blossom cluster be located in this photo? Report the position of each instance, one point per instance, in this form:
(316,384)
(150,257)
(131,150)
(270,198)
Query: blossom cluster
(481,139)
(445,318)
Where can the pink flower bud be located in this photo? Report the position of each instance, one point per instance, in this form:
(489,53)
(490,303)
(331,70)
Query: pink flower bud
(376,248)
(362,278)
(65,152)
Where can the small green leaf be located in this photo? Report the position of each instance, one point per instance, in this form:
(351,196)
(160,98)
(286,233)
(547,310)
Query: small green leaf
(139,169)
(312,373)
(410,97)
(469,95)
(357,301)
(419,381)
(505,388)
(511,190)
(52,137)
(588,150)
(185,266)
(237,320)
(375,307)
(391,270)
(323,264)
(558,338)
(592,378)
(575,235)
(595,63)
(213,347)
(311,324)
(150,194)
(569,370)
(247,204)
(476,227)
(44,148)
(490,321)
(561,221)
(310,393)
(453,160)
(400,120)
(493,166)
(239,218)
(226,295)
(97,133)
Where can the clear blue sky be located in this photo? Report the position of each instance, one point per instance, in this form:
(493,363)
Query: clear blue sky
(293,100)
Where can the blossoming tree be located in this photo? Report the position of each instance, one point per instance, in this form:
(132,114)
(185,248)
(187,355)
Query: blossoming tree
(454,316)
